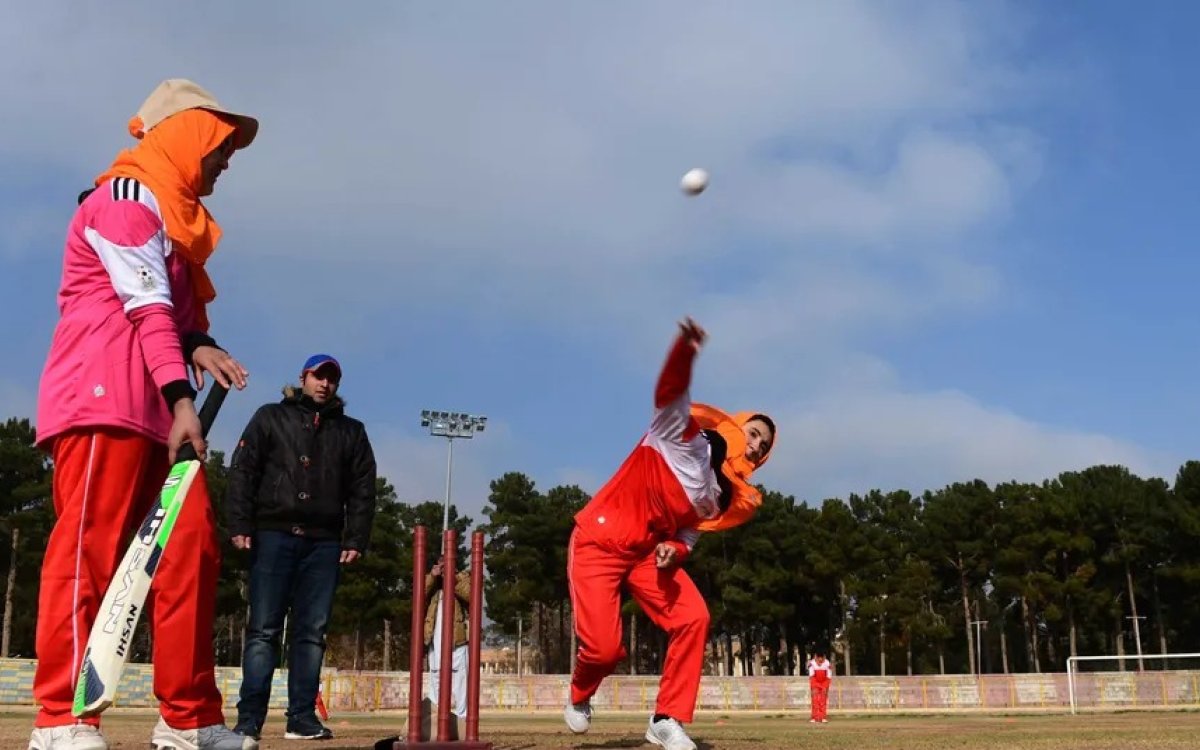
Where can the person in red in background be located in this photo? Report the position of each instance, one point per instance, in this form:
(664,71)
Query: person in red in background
(637,531)
(820,674)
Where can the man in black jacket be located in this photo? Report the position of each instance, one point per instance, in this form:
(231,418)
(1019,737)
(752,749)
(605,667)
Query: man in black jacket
(301,499)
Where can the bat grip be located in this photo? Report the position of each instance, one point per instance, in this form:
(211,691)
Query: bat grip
(208,413)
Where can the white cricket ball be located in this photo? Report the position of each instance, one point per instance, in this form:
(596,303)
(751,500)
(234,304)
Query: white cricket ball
(694,182)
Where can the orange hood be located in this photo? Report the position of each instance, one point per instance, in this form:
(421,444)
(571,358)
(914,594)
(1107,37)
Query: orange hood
(167,160)
(738,469)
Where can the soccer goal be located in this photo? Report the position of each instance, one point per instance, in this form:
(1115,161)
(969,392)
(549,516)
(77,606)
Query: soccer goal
(1133,680)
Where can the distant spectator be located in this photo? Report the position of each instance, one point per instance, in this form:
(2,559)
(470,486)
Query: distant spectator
(820,674)
(433,636)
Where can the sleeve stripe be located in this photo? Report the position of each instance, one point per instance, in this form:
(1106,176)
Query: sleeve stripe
(126,188)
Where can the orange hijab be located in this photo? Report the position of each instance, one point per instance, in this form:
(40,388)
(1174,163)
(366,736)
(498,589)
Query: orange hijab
(737,468)
(167,160)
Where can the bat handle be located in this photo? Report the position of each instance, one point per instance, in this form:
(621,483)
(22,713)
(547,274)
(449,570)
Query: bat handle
(208,413)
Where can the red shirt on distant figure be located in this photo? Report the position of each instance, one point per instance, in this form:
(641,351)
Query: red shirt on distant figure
(820,674)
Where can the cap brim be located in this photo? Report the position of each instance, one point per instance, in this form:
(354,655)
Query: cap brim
(247,127)
(322,366)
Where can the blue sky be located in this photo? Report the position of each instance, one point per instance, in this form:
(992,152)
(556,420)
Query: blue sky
(942,240)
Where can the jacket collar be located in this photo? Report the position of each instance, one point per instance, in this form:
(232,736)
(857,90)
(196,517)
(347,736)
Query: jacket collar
(293,396)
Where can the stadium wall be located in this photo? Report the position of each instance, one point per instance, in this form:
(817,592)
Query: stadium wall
(375,691)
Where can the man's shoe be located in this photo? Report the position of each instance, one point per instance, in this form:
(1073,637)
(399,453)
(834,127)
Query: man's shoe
(249,728)
(69,737)
(669,734)
(215,737)
(578,717)
(307,728)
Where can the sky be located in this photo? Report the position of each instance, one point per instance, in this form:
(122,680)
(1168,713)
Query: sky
(942,241)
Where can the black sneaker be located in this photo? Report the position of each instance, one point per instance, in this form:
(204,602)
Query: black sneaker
(307,728)
(249,728)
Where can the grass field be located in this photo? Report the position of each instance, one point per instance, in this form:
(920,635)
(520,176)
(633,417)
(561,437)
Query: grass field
(1124,731)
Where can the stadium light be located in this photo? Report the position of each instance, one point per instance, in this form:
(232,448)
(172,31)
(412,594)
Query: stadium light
(452,426)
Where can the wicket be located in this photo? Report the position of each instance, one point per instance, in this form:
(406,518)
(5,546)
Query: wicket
(417,648)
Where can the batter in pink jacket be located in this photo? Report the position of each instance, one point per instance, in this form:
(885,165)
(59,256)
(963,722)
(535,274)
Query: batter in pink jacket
(115,403)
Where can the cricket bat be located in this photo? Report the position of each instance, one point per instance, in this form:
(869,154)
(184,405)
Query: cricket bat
(112,633)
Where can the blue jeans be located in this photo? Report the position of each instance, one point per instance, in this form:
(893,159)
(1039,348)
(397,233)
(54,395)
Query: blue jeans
(287,572)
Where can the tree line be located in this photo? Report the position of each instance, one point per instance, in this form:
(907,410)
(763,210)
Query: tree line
(1012,577)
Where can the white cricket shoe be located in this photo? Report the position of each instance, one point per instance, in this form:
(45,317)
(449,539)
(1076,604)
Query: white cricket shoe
(578,716)
(69,737)
(215,737)
(669,734)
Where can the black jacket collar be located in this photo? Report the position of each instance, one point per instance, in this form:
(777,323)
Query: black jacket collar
(293,396)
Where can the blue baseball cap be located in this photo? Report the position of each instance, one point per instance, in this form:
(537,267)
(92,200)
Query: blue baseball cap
(317,361)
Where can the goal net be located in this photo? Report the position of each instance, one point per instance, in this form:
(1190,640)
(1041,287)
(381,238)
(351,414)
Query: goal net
(1128,680)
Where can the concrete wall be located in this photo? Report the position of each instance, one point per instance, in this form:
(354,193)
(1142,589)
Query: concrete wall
(369,691)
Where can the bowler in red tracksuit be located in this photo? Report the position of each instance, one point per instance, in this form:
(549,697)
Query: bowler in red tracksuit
(635,533)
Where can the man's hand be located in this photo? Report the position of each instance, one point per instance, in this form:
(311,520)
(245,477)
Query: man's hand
(350,555)
(692,333)
(224,368)
(664,555)
(185,428)
(241,542)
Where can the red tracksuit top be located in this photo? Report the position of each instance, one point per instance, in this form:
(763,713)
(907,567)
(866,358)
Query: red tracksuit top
(667,484)
(819,675)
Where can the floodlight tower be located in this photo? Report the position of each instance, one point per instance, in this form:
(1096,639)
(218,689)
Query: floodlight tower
(451,425)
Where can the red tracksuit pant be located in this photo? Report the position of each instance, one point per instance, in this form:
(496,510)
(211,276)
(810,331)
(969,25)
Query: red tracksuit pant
(104,483)
(820,701)
(668,597)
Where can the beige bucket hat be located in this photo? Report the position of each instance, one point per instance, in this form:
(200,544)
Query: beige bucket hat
(175,95)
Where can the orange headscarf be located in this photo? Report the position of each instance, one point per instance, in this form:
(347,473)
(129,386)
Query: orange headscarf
(167,160)
(738,469)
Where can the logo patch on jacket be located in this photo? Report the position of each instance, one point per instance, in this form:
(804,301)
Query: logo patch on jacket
(146,278)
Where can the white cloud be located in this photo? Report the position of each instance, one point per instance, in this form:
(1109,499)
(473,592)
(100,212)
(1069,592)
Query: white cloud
(861,440)
(527,158)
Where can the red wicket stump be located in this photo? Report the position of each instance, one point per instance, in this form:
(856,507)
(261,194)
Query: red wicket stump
(413,740)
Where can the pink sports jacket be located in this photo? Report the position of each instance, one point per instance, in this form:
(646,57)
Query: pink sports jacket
(117,356)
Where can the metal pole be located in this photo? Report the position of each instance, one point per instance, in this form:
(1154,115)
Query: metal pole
(1137,637)
(978,645)
(416,650)
(1071,681)
(979,648)
(474,636)
(449,471)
